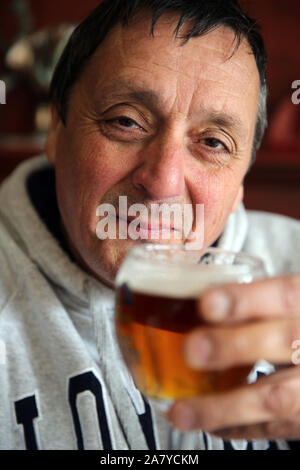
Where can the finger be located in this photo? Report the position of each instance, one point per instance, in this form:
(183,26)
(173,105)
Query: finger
(282,429)
(261,299)
(243,344)
(273,398)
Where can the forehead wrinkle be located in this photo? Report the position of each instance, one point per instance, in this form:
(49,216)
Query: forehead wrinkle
(205,68)
(224,93)
(223,68)
(229,66)
(226,55)
(205,78)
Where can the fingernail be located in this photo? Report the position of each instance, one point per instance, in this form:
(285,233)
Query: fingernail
(216,305)
(182,417)
(198,350)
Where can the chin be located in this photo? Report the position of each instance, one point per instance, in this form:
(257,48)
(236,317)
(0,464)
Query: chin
(109,259)
(113,252)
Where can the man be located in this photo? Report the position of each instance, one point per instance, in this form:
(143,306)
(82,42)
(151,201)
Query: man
(173,116)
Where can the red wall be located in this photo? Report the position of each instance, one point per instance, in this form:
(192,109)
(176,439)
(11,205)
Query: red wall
(277,171)
(279,19)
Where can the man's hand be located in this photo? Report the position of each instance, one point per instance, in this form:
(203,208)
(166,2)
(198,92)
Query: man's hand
(245,323)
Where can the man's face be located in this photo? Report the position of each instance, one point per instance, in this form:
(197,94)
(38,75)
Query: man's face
(157,122)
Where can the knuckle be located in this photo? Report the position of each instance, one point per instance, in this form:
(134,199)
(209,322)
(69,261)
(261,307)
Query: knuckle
(222,351)
(280,400)
(229,347)
(216,350)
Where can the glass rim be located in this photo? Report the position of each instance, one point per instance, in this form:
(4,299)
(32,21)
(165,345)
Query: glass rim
(160,275)
(139,251)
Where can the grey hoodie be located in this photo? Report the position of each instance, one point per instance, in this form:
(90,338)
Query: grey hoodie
(62,381)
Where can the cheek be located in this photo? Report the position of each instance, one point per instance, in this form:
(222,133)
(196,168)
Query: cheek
(219,198)
(97,164)
(217,191)
(88,167)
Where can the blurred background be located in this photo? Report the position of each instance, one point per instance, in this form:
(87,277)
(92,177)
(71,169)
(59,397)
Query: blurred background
(33,33)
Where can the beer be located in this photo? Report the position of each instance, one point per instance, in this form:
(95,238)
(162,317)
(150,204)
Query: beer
(156,308)
(151,331)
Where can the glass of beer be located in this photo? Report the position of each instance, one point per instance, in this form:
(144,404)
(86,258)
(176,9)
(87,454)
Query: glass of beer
(157,288)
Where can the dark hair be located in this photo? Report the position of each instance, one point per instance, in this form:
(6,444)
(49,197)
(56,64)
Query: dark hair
(205,16)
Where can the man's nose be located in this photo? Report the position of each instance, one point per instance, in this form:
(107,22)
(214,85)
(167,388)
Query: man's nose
(161,170)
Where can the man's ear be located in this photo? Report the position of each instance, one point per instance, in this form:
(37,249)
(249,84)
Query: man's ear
(238,199)
(51,140)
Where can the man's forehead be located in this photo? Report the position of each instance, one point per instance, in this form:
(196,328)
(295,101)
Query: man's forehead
(205,69)
(133,45)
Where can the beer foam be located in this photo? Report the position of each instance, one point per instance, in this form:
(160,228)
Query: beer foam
(178,281)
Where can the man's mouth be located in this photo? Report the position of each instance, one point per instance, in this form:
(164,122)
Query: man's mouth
(148,230)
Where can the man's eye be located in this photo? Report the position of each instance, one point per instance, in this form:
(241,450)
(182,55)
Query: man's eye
(123,122)
(215,144)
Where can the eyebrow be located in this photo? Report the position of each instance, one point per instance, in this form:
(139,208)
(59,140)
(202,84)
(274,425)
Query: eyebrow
(223,119)
(125,90)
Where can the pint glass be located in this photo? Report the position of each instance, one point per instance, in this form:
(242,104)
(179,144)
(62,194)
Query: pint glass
(157,288)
